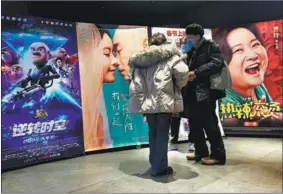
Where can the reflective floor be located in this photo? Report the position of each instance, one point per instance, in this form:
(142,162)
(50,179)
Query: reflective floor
(254,165)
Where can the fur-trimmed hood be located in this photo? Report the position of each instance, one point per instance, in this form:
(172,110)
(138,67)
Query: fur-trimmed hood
(153,55)
(156,77)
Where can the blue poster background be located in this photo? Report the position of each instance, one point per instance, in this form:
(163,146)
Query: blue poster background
(126,129)
(47,123)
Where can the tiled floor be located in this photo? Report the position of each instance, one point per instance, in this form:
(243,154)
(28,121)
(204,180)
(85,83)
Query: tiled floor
(254,165)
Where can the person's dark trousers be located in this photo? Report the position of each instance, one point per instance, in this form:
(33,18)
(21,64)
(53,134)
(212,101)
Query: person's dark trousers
(159,125)
(204,117)
(190,136)
(175,127)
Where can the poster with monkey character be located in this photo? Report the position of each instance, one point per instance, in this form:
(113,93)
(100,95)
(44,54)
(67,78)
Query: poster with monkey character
(41,102)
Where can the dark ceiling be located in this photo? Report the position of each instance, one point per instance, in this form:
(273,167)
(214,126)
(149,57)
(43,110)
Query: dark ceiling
(155,13)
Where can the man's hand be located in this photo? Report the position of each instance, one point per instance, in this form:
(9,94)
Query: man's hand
(144,119)
(192,76)
(23,83)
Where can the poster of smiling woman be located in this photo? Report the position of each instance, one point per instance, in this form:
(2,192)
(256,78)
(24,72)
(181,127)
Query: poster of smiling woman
(253,53)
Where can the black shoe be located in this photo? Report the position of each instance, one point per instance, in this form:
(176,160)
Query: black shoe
(167,171)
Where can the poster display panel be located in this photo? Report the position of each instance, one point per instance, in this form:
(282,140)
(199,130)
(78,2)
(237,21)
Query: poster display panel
(104,52)
(41,101)
(253,53)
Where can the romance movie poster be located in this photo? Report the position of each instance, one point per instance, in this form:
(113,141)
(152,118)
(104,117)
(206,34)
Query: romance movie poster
(253,53)
(104,52)
(41,101)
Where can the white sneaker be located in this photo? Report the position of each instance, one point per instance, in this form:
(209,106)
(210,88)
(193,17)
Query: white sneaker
(172,147)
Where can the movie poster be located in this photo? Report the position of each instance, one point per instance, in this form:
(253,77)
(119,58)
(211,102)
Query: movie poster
(41,101)
(104,52)
(174,37)
(253,53)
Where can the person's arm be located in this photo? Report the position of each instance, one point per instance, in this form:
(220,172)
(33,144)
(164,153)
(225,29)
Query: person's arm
(184,57)
(54,72)
(180,73)
(54,75)
(24,82)
(64,71)
(214,64)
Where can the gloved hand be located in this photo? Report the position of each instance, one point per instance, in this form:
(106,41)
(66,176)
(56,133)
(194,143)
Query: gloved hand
(23,83)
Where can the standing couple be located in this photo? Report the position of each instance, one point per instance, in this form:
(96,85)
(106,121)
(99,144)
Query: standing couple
(161,84)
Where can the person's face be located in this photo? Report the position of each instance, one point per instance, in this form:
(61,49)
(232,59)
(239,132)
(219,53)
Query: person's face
(178,43)
(39,54)
(6,57)
(126,43)
(59,63)
(72,69)
(62,53)
(249,59)
(16,71)
(107,58)
(193,38)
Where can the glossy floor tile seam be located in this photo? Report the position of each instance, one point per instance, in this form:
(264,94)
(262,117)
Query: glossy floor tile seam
(90,185)
(120,175)
(264,156)
(108,186)
(78,183)
(236,185)
(233,178)
(105,180)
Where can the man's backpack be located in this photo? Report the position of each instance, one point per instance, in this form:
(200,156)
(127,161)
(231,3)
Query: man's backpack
(221,80)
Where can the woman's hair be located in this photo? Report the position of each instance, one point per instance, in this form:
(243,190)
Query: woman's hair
(103,31)
(220,37)
(91,78)
(158,39)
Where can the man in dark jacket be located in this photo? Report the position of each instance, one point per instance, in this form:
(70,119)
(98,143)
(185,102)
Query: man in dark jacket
(204,60)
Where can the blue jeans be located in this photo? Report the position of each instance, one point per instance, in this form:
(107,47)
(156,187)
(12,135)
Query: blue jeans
(159,125)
